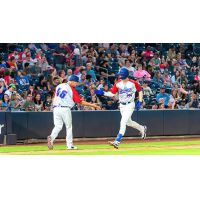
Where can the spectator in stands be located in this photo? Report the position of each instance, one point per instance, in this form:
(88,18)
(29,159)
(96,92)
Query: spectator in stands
(52,90)
(32,46)
(61,55)
(183,76)
(36,70)
(194,65)
(148,53)
(100,58)
(80,106)
(22,55)
(146,88)
(41,85)
(23,96)
(44,47)
(90,61)
(176,77)
(154,106)
(181,62)
(31,91)
(172,53)
(112,52)
(101,84)
(193,87)
(7,76)
(15,103)
(150,70)
(93,51)
(90,72)
(14,54)
(163,95)
(69,73)
(170,67)
(161,106)
(89,81)
(3,87)
(163,64)
(130,69)
(56,82)
(13,64)
(5,105)
(27,70)
(172,104)
(141,73)
(183,93)
(156,59)
(158,50)
(174,95)
(39,54)
(183,104)
(44,66)
(48,103)
(192,103)
(132,60)
(50,77)
(189,53)
(29,60)
(87,108)
(61,75)
(123,50)
(94,100)
(110,104)
(21,79)
(76,60)
(2,70)
(106,71)
(85,58)
(197,77)
(166,78)
(38,103)
(121,61)
(82,82)
(29,105)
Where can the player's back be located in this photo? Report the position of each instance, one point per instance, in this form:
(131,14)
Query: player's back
(63,95)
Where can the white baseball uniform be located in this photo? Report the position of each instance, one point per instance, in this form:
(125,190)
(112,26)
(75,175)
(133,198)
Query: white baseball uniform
(65,97)
(127,104)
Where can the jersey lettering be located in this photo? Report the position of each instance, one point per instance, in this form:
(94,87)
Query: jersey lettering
(125,90)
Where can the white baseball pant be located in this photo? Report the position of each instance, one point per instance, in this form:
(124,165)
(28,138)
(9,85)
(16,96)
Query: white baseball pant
(60,116)
(126,112)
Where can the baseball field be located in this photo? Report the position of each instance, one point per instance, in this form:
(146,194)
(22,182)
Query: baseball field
(180,146)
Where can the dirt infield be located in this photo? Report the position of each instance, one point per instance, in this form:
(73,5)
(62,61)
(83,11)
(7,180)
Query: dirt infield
(124,141)
(97,150)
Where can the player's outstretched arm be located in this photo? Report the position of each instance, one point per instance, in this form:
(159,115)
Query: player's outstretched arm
(140,100)
(100,92)
(84,103)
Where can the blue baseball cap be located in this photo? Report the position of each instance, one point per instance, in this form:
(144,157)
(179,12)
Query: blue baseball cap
(16,49)
(3,65)
(73,78)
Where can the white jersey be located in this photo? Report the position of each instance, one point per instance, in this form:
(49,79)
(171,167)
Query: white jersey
(127,91)
(65,95)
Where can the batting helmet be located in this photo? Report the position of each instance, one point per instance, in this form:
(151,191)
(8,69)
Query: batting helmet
(124,73)
(74,78)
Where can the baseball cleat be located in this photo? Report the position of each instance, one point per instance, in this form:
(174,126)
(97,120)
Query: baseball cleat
(144,133)
(49,142)
(72,147)
(114,144)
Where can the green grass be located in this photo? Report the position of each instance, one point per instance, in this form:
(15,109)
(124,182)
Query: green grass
(102,146)
(134,152)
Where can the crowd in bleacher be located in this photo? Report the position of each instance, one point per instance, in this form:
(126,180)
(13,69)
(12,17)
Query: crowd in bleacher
(168,73)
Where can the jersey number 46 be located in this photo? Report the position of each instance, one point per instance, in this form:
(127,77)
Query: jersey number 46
(61,94)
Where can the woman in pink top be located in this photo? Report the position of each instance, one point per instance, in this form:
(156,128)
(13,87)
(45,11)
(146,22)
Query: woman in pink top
(142,73)
(148,53)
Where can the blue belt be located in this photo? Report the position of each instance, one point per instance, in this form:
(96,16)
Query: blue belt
(125,103)
(61,106)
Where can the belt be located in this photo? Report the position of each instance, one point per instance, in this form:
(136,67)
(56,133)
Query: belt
(125,103)
(61,106)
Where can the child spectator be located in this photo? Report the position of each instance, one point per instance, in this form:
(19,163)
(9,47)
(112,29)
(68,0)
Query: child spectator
(32,91)
(47,103)
(5,105)
(146,89)
(15,103)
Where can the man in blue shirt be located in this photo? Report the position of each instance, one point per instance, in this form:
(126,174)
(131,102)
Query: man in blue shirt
(163,95)
(90,72)
(81,83)
(193,103)
(110,104)
(22,80)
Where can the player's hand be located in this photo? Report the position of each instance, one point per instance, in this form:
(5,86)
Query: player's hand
(99,92)
(138,105)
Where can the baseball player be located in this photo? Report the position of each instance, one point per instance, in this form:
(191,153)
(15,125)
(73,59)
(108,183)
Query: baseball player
(126,89)
(64,98)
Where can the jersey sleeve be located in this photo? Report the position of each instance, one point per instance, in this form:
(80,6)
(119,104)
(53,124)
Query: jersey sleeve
(137,86)
(9,56)
(114,88)
(75,96)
